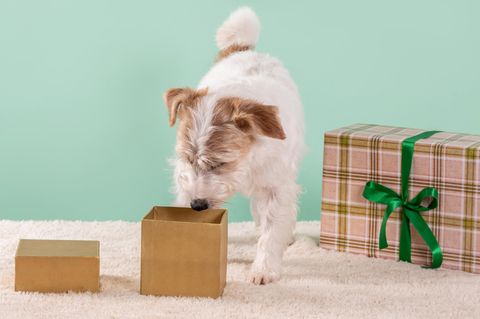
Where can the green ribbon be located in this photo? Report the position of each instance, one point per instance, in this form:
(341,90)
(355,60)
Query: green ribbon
(410,209)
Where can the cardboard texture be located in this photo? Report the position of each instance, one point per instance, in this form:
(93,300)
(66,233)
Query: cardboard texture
(450,162)
(57,265)
(184,252)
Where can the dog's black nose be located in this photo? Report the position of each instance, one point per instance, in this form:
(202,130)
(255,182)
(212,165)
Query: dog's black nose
(199,204)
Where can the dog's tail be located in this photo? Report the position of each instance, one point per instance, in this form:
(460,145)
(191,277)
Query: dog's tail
(239,32)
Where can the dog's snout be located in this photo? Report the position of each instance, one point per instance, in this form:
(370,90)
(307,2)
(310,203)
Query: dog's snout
(199,204)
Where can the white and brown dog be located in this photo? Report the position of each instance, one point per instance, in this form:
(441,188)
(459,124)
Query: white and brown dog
(242,131)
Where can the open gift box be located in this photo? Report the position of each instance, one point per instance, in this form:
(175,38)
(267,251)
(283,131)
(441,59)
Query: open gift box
(184,252)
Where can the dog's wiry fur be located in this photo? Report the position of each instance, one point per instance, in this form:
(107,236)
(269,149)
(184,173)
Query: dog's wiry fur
(222,54)
(242,131)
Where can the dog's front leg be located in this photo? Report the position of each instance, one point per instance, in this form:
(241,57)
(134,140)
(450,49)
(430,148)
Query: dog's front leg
(255,208)
(277,209)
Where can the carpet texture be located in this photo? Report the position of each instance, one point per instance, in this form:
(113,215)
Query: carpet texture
(316,283)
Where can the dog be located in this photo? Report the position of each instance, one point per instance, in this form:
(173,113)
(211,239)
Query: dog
(242,130)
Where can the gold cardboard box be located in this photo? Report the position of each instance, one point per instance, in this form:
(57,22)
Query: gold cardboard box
(184,252)
(57,265)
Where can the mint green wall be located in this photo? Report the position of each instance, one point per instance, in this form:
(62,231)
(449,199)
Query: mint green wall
(83,130)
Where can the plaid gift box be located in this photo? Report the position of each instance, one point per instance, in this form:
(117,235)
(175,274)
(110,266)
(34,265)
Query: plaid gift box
(449,162)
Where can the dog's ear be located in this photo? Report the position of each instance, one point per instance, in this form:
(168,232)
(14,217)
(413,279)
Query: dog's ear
(253,117)
(259,118)
(179,100)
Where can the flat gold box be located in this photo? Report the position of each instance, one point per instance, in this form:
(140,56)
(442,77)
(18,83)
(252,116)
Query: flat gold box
(57,265)
(184,252)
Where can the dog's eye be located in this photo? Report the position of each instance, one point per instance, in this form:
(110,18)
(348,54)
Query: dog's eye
(215,166)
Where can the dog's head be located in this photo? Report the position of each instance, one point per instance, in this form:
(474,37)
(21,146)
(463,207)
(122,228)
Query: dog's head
(214,139)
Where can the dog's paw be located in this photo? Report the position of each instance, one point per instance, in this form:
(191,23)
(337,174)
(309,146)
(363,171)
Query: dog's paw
(262,276)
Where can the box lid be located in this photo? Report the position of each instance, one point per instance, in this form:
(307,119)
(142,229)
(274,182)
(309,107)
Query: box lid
(58,248)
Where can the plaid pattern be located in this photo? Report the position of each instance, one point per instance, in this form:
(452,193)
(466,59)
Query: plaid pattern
(450,162)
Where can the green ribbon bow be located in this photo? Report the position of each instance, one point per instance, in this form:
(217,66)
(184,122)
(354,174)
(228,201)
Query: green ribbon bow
(411,208)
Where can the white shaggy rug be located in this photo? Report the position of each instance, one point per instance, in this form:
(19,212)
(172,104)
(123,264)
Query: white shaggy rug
(316,283)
